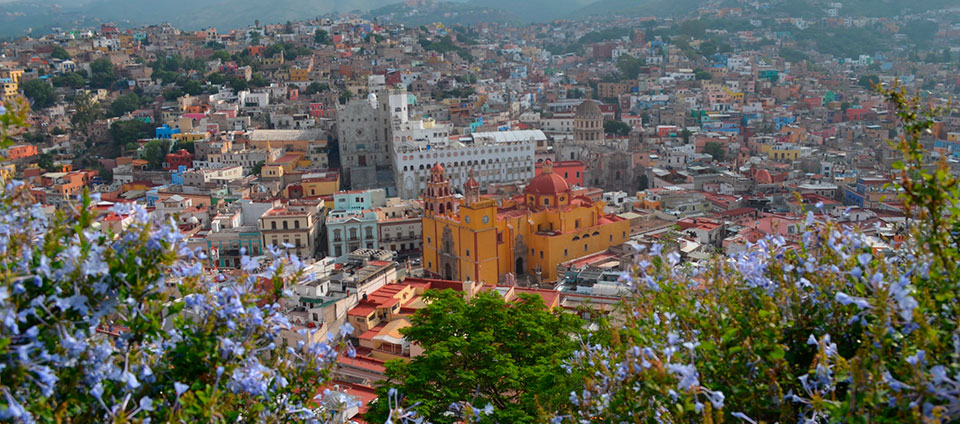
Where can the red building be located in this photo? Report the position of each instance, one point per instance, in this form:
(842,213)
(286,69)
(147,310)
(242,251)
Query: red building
(856,114)
(316,110)
(176,159)
(571,170)
(22,151)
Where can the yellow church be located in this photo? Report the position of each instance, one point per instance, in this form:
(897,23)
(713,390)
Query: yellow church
(528,235)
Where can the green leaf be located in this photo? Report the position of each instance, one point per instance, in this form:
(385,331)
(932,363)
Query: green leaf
(729,335)
(777,353)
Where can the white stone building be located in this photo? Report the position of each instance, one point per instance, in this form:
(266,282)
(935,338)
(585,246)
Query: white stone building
(364,128)
(495,157)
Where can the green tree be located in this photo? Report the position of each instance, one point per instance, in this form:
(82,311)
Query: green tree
(618,128)
(193,87)
(129,131)
(700,75)
(86,111)
(59,53)
(155,152)
(345,97)
(575,93)
(257,80)
(72,80)
(45,161)
(715,149)
(685,134)
(33,137)
(102,73)
(315,87)
(238,84)
(256,168)
(217,78)
(629,66)
(172,94)
(321,37)
(40,93)
(183,145)
(223,55)
(486,351)
(124,104)
(868,81)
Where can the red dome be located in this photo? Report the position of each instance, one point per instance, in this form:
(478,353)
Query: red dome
(437,168)
(763,177)
(547,183)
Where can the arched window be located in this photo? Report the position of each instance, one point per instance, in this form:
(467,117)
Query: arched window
(273,225)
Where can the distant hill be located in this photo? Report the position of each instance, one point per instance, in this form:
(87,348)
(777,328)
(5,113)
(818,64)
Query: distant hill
(450,13)
(535,10)
(18,16)
(635,8)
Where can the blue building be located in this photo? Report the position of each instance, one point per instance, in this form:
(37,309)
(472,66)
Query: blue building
(352,224)
(165,132)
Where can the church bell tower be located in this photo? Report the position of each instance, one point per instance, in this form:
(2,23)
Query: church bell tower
(438,199)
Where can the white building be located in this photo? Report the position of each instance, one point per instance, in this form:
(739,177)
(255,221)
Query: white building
(247,158)
(248,99)
(495,157)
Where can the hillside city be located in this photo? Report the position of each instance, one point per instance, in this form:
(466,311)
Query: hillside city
(542,158)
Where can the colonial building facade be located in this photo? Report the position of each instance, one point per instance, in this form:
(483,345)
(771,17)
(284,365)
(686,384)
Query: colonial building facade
(527,236)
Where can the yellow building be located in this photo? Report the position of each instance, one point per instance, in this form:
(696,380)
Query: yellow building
(476,239)
(300,74)
(8,90)
(10,80)
(784,152)
(189,137)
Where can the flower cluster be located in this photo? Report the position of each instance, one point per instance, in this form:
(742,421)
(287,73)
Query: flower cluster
(811,330)
(132,317)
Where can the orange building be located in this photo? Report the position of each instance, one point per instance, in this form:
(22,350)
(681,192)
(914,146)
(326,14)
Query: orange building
(530,234)
(571,170)
(22,151)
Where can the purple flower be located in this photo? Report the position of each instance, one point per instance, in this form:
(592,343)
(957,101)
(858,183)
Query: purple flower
(180,388)
(146,404)
(846,299)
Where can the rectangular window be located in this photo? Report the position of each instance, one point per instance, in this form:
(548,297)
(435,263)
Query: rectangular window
(565,252)
(541,254)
